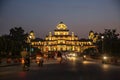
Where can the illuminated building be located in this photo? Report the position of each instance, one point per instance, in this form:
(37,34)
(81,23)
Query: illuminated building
(62,40)
(31,36)
(93,36)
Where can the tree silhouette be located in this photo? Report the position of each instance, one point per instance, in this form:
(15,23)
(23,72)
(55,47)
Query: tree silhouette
(12,44)
(19,38)
(110,42)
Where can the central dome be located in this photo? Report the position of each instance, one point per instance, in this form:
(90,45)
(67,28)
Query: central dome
(61,26)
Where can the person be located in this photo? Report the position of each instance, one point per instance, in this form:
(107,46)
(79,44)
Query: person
(59,55)
(64,58)
(24,53)
(55,55)
(39,59)
(26,64)
(25,59)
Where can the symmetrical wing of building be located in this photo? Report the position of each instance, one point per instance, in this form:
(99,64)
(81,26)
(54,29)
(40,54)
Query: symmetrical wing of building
(61,40)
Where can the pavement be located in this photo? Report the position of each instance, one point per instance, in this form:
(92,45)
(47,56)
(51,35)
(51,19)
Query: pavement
(5,64)
(50,61)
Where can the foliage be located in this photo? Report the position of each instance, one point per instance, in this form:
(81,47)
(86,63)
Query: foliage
(13,43)
(110,43)
(19,37)
(90,51)
(5,44)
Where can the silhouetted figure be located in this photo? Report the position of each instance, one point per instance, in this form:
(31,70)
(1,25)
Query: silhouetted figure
(59,55)
(39,59)
(27,60)
(26,63)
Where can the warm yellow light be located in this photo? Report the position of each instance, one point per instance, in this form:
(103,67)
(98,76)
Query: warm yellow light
(102,37)
(61,26)
(73,58)
(105,66)
(104,57)
(85,62)
(22,61)
(84,56)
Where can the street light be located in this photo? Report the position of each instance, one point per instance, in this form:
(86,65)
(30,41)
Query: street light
(102,44)
(30,37)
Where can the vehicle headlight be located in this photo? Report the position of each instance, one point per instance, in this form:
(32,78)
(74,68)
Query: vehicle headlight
(84,56)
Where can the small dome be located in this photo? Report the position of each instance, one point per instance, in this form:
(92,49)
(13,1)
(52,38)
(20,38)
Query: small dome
(62,26)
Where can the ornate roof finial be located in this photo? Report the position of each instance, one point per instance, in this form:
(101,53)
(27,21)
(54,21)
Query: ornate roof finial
(61,22)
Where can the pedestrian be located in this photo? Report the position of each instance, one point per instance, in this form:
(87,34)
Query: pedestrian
(39,59)
(25,59)
(59,55)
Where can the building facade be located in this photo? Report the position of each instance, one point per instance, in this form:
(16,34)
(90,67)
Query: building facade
(62,40)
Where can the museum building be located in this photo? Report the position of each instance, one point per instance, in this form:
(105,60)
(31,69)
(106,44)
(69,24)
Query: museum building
(60,40)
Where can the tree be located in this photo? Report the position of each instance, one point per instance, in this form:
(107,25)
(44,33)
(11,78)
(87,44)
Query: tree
(18,37)
(110,42)
(5,45)
(12,44)
(90,51)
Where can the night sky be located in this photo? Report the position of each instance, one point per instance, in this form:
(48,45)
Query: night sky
(42,16)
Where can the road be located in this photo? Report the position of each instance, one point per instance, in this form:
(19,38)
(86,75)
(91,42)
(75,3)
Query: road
(75,70)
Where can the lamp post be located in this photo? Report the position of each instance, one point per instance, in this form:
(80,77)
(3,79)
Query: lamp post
(102,44)
(30,44)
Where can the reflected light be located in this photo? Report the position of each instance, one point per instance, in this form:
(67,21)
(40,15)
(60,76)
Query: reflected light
(22,74)
(22,61)
(85,62)
(105,66)
(88,62)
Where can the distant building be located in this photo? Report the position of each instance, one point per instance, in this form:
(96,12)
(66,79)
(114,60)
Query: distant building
(31,36)
(93,36)
(62,40)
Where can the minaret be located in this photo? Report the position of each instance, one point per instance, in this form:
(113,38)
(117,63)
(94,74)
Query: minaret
(73,34)
(50,34)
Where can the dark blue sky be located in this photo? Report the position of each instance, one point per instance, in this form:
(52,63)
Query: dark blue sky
(42,16)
